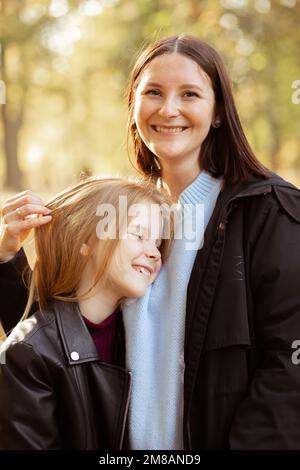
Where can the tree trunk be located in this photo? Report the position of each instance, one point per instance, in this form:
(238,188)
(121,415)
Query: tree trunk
(12,120)
(11,128)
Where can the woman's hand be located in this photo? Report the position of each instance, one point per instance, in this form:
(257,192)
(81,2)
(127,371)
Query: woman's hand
(19,214)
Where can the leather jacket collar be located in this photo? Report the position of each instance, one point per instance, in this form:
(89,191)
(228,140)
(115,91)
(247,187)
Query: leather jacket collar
(77,343)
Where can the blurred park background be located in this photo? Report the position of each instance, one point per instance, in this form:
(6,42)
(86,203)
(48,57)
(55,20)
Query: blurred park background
(65,66)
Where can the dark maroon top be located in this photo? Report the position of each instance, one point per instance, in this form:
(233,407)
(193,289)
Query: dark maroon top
(103,335)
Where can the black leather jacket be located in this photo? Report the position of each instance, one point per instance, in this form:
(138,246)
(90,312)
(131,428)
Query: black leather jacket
(54,391)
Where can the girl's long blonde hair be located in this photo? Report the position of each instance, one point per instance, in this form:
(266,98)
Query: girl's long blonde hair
(59,266)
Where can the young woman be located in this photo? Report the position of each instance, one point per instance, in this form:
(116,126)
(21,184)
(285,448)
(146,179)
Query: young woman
(63,384)
(209,345)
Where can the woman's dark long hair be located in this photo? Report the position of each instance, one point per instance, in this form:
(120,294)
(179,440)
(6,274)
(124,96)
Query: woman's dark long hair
(225,151)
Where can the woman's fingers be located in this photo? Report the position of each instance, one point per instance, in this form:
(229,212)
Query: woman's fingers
(19,200)
(21,212)
(26,196)
(20,226)
(13,234)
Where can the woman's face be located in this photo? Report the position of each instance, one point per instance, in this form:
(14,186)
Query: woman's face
(137,259)
(174,108)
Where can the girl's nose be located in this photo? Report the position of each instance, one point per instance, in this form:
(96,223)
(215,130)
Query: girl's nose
(152,251)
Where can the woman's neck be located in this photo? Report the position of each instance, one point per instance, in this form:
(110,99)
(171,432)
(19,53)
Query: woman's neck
(176,180)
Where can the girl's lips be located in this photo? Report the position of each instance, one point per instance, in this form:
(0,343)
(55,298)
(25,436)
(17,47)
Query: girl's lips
(146,270)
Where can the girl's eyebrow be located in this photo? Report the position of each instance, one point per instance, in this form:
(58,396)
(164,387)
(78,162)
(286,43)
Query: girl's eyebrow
(139,227)
(142,228)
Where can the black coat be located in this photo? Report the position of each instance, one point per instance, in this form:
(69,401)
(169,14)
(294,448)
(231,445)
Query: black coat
(54,391)
(241,389)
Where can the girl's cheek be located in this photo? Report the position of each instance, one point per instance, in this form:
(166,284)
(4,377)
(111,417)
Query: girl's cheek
(158,268)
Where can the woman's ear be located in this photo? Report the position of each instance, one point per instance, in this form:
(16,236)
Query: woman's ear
(217,113)
(216,122)
(84,250)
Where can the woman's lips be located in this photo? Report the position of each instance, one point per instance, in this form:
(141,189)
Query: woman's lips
(169,130)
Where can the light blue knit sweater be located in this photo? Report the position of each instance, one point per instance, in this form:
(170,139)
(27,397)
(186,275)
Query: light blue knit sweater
(154,327)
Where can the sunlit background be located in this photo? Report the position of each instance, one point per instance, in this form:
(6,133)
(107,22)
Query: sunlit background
(65,66)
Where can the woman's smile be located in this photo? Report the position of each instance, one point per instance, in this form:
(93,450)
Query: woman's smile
(174,108)
(168,130)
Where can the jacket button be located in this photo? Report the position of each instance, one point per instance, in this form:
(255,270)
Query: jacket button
(74,356)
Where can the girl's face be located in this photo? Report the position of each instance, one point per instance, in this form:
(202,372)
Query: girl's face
(137,259)
(174,108)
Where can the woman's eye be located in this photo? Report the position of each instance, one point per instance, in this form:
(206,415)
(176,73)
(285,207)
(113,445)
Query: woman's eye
(153,92)
(190,94)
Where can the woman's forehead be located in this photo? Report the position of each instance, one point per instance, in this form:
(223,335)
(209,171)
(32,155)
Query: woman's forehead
(162,69)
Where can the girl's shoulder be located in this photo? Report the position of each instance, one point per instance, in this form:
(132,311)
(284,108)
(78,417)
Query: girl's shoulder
(35,333)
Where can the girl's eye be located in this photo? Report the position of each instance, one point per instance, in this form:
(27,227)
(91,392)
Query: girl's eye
(137,235)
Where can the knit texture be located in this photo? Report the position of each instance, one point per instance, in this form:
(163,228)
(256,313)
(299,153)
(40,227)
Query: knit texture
(154,327)
(103,335)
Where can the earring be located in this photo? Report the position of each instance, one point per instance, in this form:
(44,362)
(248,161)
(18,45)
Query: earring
(217,123)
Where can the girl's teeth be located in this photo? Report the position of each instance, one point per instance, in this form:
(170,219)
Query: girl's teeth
(167,130)
(142,271)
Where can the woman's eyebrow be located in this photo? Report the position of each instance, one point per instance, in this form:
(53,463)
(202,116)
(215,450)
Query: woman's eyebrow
(185,85)
(191,85)
(155,84)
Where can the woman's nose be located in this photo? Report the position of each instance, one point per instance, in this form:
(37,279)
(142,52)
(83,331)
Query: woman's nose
(169,107)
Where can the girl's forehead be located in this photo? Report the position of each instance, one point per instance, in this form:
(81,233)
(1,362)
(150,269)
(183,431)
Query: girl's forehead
(146,215)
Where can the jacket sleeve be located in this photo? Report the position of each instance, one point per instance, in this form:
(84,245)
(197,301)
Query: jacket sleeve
(269,416)
(13,292)
(28,405)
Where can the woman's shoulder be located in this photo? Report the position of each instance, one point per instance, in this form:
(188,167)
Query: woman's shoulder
(282,195)
(264,194)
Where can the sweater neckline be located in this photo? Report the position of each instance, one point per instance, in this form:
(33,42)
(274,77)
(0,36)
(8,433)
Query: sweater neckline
(199,189)
(98,326)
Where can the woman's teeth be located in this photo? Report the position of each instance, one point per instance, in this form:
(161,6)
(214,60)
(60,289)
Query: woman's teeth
(169,130)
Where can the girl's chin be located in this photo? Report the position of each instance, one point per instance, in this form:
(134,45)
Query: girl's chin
(135,295)
(137,292)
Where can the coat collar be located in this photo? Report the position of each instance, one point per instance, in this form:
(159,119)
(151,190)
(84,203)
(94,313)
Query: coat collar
(77,342)
(287,194)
